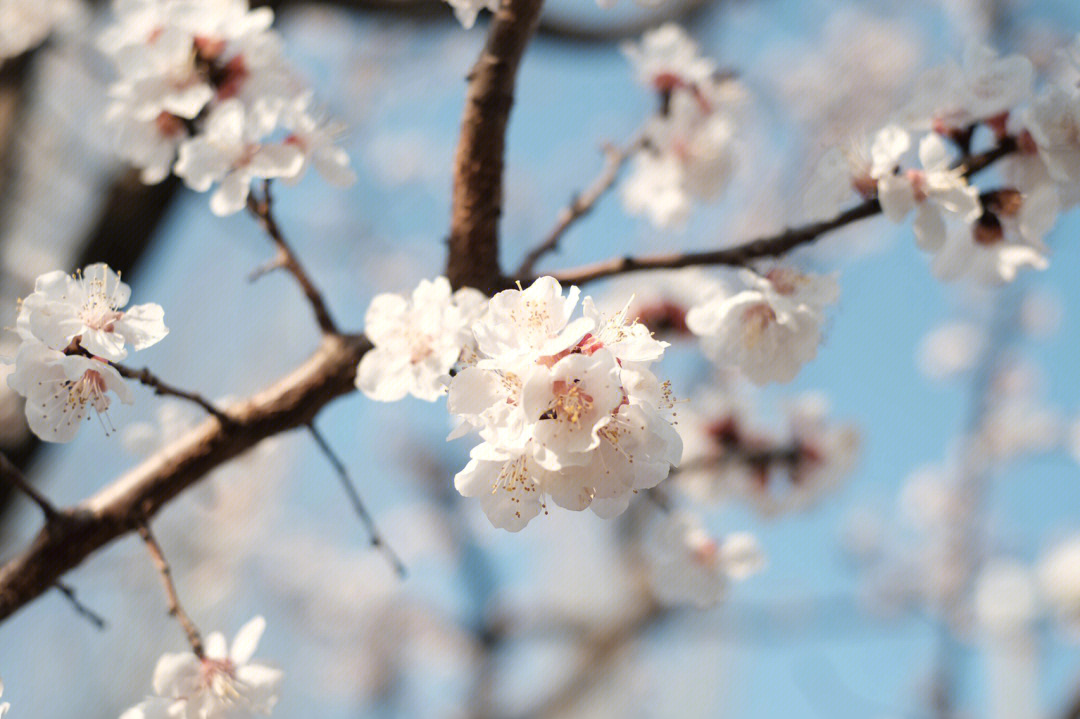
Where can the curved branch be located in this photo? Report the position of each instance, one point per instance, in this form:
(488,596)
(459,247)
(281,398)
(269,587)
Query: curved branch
(122,506)
(764,247)
(478,165)
(583,203)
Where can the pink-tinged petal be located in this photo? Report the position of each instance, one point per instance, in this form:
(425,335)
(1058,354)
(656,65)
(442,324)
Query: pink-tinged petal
(247,641)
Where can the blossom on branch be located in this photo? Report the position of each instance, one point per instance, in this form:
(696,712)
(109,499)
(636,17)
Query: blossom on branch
(222,684)
(71,327)
(769,330)
(690,145)
(567,408)
(205,92)
(417,340)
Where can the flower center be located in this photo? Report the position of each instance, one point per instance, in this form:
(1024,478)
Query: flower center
(756,319)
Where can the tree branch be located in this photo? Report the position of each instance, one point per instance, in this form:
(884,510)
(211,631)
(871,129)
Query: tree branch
(772,246)
(175,608)
(130,501)
(478,165)
(146,377)
(262,211)
(11,475)
(582,204)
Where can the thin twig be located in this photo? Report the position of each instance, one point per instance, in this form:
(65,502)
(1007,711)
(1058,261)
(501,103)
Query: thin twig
(262,211)
(175,609)
(81,609)
(342,471)
(583,203)
(771,246)
(11,474)
(146,377)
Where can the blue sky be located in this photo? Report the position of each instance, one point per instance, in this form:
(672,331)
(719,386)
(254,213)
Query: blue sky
(401,88)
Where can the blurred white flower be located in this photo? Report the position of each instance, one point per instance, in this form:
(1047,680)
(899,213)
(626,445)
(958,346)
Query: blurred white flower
(950,349)
(770,330)
(1005,601)
(690,567)
(26,23)
(223,684)
(1059,580)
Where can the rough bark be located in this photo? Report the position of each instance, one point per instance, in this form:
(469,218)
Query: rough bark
(478,165)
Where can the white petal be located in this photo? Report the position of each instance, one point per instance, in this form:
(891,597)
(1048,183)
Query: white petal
(247,641)
(177,675)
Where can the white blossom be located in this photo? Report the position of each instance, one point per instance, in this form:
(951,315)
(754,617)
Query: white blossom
(60,389)
(88,308)
(933,191)
(223,684)
(691,567)
(983,88)
(315,134)
(229,151)
(416,341)
(567,408)
(668,58)
(769,330)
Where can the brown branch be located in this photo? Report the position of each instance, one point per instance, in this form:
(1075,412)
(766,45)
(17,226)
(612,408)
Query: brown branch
(130,501)
(81,609)
(146,377)
(11,475)
(175,608)
(262,211)
(764,247)
(582,204)
(478,164)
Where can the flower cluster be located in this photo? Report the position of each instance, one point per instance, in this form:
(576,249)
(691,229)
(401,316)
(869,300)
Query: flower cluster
(770,329)
(566,408)
(204,92)
(222,684)
(71,328)
(920,164)
(689,150)
(691,567)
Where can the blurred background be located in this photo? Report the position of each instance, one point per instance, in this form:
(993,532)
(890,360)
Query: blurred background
(933,581)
